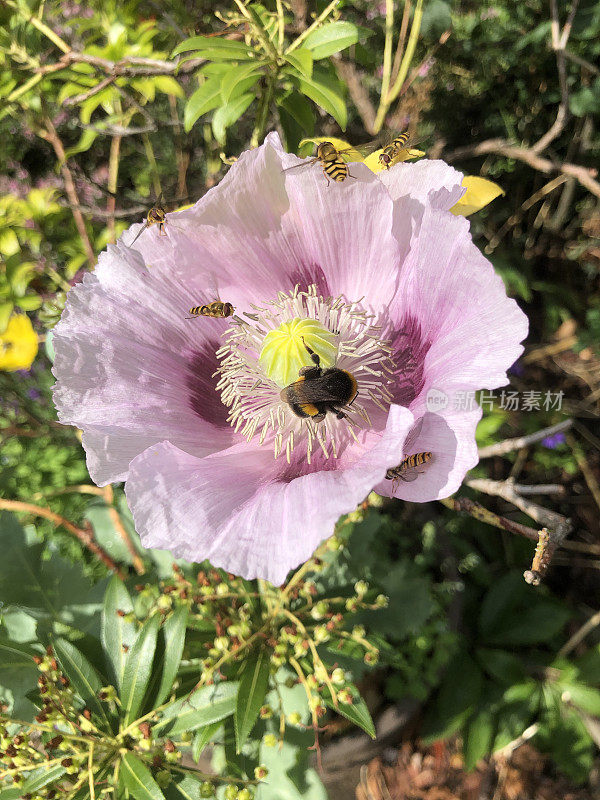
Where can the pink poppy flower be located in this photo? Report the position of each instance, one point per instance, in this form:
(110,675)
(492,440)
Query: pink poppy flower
(373,274)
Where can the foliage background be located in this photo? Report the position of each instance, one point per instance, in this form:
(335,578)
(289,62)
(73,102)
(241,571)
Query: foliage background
(494,90)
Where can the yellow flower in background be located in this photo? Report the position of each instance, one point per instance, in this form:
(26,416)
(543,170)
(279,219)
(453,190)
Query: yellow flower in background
(18,344)
(479,193)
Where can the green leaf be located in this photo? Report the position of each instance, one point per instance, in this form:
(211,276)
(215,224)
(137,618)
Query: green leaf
(251,696)
(583,697)
(326,95)
(505,668)
(204,99)
(238,79)
(297,117)
(186,786)
(478,737)
(357,712)
(331,38)
(513,613)
(41,778)
(83,676)
(18,676)
(173,633)
(302,61)
(138,779)
(214,49)
(206,705)
(168,85)
(115,632)
(458,695)
(138,668)
(226,115)
(202,739)
(53,591)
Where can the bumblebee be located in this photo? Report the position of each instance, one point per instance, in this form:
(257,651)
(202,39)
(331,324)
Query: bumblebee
(156,216)
(215,309)
(393,149)
(318,391)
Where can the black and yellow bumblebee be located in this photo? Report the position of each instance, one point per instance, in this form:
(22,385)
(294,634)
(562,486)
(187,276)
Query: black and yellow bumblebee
(156,216)
(215,309)
(318,391)
(393,149)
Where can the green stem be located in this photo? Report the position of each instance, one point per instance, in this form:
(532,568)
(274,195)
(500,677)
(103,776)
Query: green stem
(42,27)
(392,93)
(153,166)
(263,112)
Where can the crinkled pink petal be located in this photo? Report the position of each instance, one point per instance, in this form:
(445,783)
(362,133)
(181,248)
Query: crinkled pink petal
(231,508)
(131,370)
(431,182)
(412,187)
(263,230)
(473,330)
(451,439)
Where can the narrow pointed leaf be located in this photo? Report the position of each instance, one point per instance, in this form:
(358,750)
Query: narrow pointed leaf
(173,632)
(202,737)
(83,677)
(209,704)
(115,632)
(251,696)
(138,668)
(357,712)
(331,38)
(204,99)
(226,115)
(326,97)
(215,49)
(138,779)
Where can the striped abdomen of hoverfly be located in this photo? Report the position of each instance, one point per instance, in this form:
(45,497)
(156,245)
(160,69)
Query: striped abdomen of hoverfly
(406,469)
(215,309)
(333,164)
(392,150)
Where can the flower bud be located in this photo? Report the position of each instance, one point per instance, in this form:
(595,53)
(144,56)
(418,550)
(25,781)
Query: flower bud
(231,792)
(381,601)
(361,588)
(260,772)
(266,712)
(345,697)
(244,794)
(207,789)
(338,676)
(269,740)
(294,718)
(371,657)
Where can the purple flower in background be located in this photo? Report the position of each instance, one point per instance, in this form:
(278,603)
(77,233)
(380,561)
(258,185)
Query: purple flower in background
(373,275)
(554,441)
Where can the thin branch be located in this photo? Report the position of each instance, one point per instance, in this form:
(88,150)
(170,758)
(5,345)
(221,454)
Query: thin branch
(81,98)
(559,526)
(509,445)
(559,42)
(584,175)
(131,66)
(542,488)
(84,535)
(358,92)
(401,40)
(115,517)
(588,475)
(479,512)
(49,133)
(579,635)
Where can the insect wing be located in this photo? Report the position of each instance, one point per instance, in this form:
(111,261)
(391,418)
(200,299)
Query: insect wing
(138,234)
(412,437)
(409,474)
(304,163)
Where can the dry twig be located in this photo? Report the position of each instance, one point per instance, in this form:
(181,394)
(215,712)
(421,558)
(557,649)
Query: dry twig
(509,445)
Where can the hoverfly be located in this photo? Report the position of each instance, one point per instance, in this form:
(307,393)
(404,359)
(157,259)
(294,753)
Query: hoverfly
(156,216)
(392,150)
(215,309)
(407,469)
(330,158)
(318,390)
